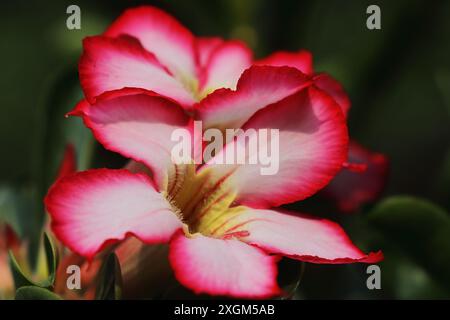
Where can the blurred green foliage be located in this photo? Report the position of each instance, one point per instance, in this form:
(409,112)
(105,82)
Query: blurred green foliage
(398,79)
(419,230)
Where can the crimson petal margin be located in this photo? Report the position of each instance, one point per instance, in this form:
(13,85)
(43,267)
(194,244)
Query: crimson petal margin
(161,34)
(258,87)
(301,60)
(114,63)
(301,237)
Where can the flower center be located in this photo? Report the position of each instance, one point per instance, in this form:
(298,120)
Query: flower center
(204,203)
(193,86)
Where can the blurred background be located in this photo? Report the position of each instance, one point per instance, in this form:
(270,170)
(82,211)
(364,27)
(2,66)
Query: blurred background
(398,79)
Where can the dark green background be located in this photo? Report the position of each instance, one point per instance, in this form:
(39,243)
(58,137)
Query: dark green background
(398,79)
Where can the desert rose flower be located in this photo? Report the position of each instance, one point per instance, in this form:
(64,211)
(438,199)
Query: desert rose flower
(224,235)
(147,48)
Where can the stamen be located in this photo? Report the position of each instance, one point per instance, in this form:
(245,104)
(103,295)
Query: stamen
(237,234)
(202,203)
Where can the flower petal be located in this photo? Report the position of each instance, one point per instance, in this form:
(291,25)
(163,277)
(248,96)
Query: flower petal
(205,46)
(350,189)
(138,125)
(258,87)
(69,162)
(93,208)
(312,148)
(110,64)
(332,87)
(223,267)
(301,60)
(224,66)
(160,34)
(301,237)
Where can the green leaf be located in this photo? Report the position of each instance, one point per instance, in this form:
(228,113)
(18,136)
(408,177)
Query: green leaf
(35,293)
(419,229)
(51,257)
(20,279)
(403,278)
(110,284)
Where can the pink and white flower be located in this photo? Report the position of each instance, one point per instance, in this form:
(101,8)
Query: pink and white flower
(148,76)
(224,237)
(147,48)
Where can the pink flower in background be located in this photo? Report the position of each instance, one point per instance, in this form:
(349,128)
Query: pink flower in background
(350,189)
(8,241)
